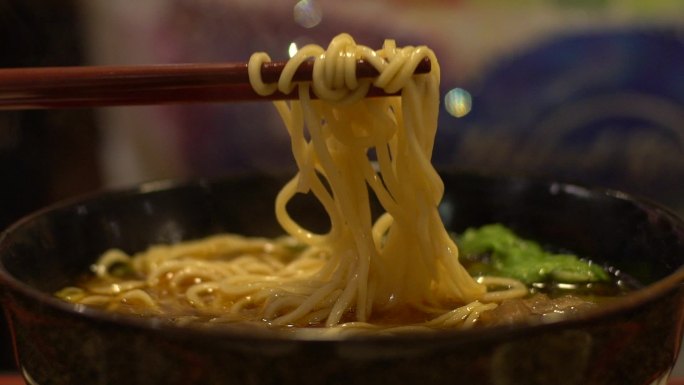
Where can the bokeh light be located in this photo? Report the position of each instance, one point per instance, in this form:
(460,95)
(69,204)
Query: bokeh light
(308,13)
(292,49)
(458,102)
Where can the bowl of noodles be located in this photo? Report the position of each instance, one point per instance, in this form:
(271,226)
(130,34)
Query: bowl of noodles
(367,265)
(630,339)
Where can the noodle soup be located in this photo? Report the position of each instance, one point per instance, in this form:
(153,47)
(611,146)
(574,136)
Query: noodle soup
(365,272)
(65,343)
(183,284)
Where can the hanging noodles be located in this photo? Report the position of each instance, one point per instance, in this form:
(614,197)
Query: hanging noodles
(405,259)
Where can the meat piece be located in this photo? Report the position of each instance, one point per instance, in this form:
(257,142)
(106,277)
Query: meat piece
(538,308)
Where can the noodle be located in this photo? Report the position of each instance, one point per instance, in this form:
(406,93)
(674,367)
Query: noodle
(346,147)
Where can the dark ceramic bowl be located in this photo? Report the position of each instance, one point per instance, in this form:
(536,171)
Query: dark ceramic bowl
(634,340)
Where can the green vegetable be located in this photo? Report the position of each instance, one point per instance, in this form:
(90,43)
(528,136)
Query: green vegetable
(523,259)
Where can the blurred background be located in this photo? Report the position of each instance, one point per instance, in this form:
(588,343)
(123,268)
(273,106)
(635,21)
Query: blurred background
(588,91)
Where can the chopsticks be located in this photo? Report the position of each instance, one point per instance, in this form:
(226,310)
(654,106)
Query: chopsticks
(70,87)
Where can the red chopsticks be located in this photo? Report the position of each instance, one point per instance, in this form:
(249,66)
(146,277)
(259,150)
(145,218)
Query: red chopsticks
(65,87)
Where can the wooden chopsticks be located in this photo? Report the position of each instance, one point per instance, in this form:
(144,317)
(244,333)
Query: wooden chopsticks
(65,87)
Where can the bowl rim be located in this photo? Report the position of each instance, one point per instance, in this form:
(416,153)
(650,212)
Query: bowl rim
(634,300)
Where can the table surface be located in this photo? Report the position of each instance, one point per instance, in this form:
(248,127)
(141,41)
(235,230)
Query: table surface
(15,379)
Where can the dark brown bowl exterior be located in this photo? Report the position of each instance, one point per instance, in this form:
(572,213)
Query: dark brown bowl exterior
(634,341)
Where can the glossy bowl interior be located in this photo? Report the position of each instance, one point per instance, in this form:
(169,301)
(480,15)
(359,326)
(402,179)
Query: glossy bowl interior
(632,341)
